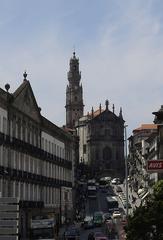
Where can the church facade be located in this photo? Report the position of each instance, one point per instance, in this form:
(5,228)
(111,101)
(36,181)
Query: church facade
(101,132)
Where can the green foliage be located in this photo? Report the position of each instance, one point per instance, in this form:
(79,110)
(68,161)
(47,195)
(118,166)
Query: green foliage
(158,190)
(146,223)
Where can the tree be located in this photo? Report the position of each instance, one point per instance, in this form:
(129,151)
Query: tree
(158,190)
(147,221)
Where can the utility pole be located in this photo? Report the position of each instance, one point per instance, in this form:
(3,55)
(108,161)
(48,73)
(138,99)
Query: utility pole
(7,87)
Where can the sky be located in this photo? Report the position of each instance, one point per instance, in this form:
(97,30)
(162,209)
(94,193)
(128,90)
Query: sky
(118,43)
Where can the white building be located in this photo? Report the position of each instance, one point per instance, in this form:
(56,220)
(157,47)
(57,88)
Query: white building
(36,157)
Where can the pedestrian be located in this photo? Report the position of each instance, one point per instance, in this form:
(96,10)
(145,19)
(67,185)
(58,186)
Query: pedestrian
(91,236)
(133,199)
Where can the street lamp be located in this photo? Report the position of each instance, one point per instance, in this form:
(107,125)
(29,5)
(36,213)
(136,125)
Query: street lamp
(7,87)
(126,168)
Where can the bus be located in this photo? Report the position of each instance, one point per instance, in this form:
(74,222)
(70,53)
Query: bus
(102,183)
(98,219)
(92,192)
(112,203)
(91,182)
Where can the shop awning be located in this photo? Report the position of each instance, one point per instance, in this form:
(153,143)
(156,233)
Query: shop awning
(144,196)
(140,191)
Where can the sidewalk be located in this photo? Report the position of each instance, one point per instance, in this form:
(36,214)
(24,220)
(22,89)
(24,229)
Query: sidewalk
(131,194)
(61,232)
(135,195)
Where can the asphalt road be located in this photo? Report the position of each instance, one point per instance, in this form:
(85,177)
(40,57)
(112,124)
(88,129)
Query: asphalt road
(99,204)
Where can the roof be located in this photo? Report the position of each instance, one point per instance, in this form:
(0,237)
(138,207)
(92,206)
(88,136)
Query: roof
(20,88)
(52,127)
(96,113)
(147,126)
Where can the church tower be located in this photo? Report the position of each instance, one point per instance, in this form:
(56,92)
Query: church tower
(74,94)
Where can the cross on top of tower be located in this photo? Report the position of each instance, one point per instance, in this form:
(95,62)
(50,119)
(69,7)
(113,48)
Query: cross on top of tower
(74,55)
(107,104)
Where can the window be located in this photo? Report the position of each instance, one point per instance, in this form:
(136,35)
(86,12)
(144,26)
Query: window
(97,154)
(66,196)
(19,128)
(52,148)
(4,125)
(55,149)
(45,145)
(84,148)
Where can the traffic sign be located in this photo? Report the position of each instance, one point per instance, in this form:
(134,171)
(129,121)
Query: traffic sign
(155,165)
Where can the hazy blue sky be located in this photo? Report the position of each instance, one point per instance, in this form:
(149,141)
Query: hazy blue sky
(119,44)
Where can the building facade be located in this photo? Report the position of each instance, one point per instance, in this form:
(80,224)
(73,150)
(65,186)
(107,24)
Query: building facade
(143,146)
(36,158)
(102,142)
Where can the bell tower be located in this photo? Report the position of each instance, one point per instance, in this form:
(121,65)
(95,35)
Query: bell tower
(74,94)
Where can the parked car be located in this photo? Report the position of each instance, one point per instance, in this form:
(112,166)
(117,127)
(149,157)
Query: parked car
(115,181)
(88,222)
(118,189)
(116,214)
(107,216)
(72,233)
(98,219)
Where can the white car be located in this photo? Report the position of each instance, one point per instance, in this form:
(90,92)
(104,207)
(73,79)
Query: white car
(116,214)
(115,181)
(88,222)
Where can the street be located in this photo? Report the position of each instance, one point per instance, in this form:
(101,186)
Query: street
(100,204)
(115,229)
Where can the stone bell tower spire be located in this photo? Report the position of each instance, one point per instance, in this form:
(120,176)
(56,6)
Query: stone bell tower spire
(74,94)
